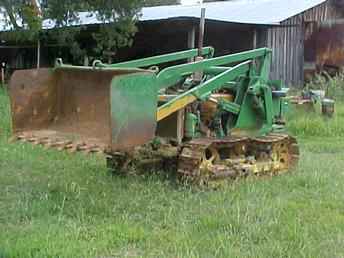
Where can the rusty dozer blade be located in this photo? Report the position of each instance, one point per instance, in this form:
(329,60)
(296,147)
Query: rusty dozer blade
(92,110)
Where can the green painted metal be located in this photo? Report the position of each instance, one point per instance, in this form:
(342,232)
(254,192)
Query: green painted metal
(133,101)
(253,109)
(207,52)
(268,108)
(191,121)
(219,130)
(172,75)
(229,106)
(61,66)
(214,70)
(249,118)
(134,96)
(204,90)
(257,105)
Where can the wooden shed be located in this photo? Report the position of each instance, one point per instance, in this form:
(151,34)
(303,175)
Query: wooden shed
(232,26)
(239,25)
(288,40)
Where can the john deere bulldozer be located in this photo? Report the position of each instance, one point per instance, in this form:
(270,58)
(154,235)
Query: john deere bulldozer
(209,118)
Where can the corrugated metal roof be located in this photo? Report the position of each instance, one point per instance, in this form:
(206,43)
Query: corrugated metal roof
(260,12)
(269,12)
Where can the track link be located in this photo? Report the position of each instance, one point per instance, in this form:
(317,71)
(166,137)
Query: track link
(60,143)
(202,161)
(207,160)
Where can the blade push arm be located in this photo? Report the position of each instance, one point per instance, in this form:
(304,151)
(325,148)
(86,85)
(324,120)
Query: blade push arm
(172,75)
(202,91)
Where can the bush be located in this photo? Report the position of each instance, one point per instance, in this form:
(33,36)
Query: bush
(333,86)
(304,123)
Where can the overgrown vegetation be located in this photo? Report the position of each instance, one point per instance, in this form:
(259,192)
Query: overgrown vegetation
(305,123)
(53,204)
(332,85)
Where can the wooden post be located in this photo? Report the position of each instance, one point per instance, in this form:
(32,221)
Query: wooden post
(38,54)
(255,35)
(180,125)
(86,61)
(201,31)
(3,74)
(191,39)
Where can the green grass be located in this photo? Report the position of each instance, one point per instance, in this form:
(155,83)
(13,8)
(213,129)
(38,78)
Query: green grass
(313,124)
(57,205)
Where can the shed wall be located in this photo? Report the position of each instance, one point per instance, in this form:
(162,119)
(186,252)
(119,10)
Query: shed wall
(287,42)
(287,45)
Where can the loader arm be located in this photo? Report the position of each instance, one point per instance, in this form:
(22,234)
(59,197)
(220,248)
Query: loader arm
(253,105)
(207,52)
(202,91)
(172,75)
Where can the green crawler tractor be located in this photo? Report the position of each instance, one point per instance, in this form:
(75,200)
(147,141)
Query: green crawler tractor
(209,118)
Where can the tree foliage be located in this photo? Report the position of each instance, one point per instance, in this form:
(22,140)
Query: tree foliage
(117,28)
(25,18)
(160,2)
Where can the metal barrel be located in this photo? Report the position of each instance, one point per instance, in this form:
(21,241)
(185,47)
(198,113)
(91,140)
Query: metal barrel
(327,107)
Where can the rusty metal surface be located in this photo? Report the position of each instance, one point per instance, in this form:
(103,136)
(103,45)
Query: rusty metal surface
(60,141)
(209,162)
(324,49)
(70,104)
(206,161)
(330,46)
